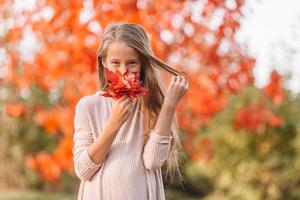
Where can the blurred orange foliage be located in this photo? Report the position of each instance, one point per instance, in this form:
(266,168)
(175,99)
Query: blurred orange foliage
(256,117)
(274,90)
(180,33)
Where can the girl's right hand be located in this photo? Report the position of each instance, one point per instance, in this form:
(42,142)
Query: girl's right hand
(121,110)
(177,88)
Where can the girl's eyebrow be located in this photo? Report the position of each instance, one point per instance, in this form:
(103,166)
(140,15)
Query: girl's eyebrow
(131,59)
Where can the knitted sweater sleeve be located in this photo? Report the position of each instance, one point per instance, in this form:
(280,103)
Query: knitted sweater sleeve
(84,166)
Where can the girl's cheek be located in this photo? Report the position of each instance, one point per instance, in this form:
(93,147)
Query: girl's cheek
(136,69)
(110,66)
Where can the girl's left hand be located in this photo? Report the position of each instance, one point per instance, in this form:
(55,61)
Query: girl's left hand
(177,88)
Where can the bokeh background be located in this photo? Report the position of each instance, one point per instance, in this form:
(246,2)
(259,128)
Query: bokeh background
(240,119)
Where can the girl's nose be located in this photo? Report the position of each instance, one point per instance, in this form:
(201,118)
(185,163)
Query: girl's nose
(123,69)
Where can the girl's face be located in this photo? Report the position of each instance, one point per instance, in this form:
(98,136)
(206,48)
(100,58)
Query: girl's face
(121,57)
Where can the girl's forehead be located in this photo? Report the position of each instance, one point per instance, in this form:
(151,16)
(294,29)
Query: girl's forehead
(121,50)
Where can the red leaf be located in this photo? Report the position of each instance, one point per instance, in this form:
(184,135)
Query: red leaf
(123,84)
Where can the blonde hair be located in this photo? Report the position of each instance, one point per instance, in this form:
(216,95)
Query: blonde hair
(134,36)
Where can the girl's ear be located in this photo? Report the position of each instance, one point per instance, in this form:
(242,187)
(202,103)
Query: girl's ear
(104,62)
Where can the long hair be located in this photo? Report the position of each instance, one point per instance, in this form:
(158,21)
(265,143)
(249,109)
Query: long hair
(134,36)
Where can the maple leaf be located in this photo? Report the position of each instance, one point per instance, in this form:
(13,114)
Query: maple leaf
(123,84)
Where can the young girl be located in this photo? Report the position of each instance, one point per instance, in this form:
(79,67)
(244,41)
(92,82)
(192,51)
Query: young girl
(120,145)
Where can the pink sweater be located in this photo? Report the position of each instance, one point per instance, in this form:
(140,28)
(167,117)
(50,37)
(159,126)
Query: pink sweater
(129,172)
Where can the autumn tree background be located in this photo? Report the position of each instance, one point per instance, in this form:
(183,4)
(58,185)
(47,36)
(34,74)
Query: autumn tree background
(240,141)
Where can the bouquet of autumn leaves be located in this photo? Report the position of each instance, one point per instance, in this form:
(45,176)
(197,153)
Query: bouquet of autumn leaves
(123,84)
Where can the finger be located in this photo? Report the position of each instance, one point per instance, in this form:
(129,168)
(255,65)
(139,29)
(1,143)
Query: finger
(183,81)
(187,84)
(128,107)
(127,101)
(134,99)
(178,80)
(122,98)
(173,80)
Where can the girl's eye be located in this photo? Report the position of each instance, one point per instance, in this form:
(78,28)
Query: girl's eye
(132,63)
